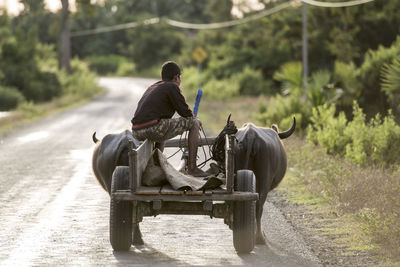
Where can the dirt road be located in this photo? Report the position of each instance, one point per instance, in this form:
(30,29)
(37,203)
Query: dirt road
(53,211)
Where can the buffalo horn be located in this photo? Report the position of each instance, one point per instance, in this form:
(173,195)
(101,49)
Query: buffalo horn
(95,140)
(289,132)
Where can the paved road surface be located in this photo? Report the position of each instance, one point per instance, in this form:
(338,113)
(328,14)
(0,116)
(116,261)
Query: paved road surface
(53,211)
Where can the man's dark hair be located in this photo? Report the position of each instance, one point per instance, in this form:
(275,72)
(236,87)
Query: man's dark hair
(169,70)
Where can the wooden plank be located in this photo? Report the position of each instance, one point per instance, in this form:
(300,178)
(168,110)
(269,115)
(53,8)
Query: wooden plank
(229,161)
(208,192)
(219,191)
(178,142)
(194,193)
(148,190)
(236,196)
(168,190)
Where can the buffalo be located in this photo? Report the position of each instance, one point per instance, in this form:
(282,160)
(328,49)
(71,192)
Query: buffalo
(260,150)
(110,152)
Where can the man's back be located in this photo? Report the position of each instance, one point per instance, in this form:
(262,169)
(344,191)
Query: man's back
(160,101)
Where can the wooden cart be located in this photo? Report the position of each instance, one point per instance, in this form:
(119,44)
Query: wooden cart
(130,201)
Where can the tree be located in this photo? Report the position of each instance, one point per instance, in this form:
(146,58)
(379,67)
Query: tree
(65,46)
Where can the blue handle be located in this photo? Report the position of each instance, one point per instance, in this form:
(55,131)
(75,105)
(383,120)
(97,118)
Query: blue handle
(197,102)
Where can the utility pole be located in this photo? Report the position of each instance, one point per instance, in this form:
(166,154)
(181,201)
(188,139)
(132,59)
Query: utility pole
(305,49)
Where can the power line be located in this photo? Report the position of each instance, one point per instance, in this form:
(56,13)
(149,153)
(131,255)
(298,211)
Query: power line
(218,25)
(225,24)
(336,4)
(185,25)
(115,27)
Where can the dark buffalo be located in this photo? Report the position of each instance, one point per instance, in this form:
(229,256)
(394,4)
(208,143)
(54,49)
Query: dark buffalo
(110,152)
(260,150)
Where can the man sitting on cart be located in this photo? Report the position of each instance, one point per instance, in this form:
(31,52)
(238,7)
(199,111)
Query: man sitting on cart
(153,116)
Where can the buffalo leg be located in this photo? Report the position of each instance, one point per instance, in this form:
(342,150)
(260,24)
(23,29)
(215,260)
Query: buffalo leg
(260,238)
(137,235)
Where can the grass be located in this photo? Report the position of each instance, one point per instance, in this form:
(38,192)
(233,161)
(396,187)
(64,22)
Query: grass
(360,202)
(214,113)
(364,200)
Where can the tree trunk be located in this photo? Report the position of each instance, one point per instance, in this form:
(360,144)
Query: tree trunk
(65,38)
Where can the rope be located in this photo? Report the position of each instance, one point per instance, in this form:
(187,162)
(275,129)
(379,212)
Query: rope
(336,4)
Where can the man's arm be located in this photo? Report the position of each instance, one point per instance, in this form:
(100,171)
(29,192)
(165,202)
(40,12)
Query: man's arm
(179,102)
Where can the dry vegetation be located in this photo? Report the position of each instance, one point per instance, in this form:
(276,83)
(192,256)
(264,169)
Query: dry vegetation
(366,198)
(370,194)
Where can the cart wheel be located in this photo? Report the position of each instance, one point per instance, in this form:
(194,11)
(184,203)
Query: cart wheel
(244,214)
(120,212)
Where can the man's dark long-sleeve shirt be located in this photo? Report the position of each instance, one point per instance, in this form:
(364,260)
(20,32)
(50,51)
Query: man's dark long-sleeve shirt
(160,101)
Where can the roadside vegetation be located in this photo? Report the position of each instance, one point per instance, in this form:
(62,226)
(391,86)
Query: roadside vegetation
(31,83)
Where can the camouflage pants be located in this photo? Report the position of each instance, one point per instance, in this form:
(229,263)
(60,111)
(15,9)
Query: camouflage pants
(165,129)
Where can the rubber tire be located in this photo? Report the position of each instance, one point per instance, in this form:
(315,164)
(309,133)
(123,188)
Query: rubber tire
(244,214)
(120,212)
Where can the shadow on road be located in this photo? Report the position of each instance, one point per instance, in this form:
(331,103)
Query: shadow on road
(144,255)
(273,255)
(268,255)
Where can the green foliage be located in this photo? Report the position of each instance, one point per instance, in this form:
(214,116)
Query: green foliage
(80,81)
(221,89)
(247,82)
(126,68)
(374,99)
(391,83)
(358,140)
(359,147)
(386,137)
(21,69)
(110,64)
(190,82)
(320,89)
(290,75)
(9,98)
(251,82)
(158,42)
(281,110)
(346,78)
(327,130)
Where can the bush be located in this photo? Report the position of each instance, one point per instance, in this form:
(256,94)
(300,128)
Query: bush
(126,68)
(373,98)
(358,140)
(10,97)
(212,88)
(104,65)
(221,89)
(391,83)
(290,75)
(251,82)
(281,110)
(80,81)
(328,131)
(190,82)
(21,69)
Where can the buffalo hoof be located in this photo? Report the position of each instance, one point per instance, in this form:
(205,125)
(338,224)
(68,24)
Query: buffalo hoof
(137,239)
(260,239)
